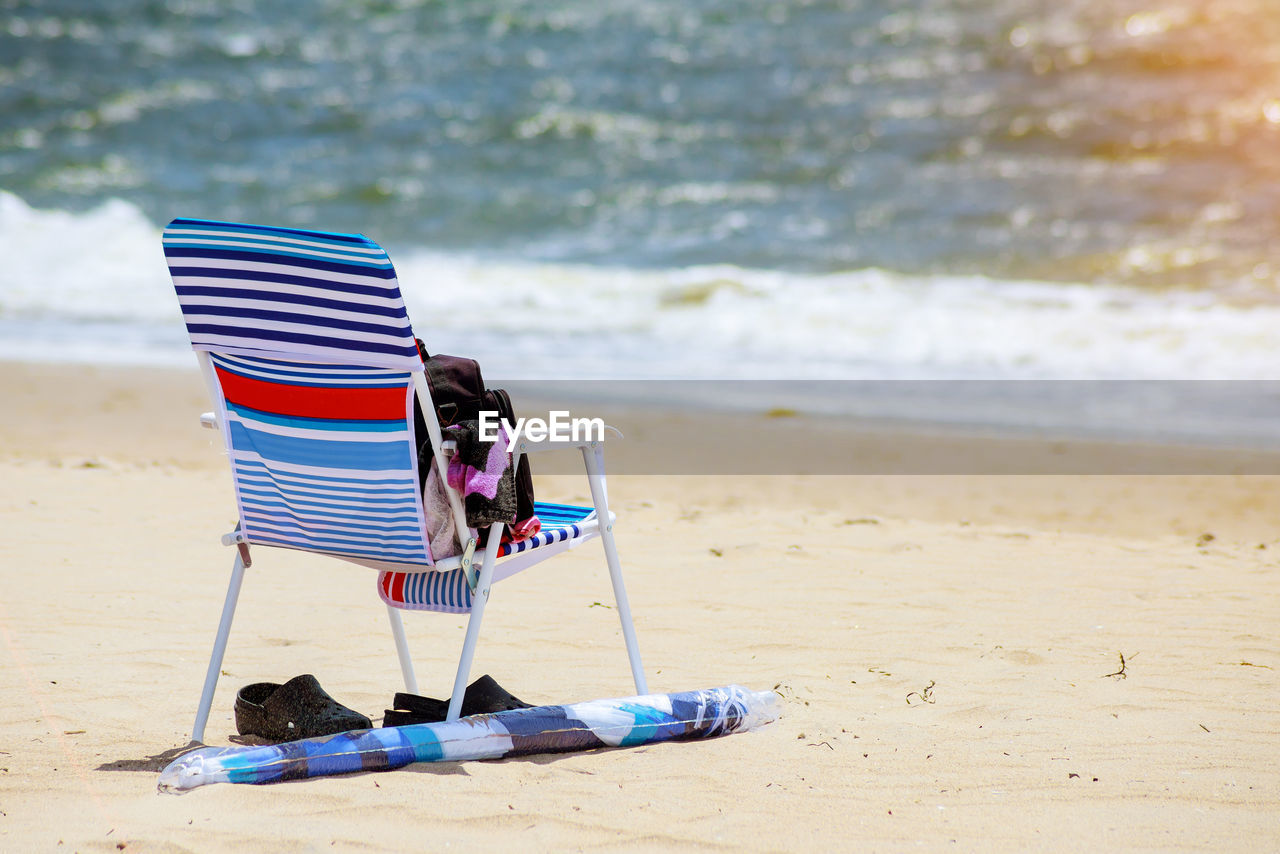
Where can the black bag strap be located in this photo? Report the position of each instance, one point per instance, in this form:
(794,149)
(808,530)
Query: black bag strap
(446,411)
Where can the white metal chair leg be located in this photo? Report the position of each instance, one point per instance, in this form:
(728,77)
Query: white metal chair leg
(402,650)
(478,600)
(594,459)
(219,648)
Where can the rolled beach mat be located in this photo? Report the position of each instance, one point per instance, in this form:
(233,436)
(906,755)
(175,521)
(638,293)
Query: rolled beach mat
(625,722)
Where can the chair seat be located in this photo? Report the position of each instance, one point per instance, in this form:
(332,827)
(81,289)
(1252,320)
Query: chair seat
(444,587)
(559,522)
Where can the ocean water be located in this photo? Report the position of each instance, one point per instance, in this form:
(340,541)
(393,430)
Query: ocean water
(852,190)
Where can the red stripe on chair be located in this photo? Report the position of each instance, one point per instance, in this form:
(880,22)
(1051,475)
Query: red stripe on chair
(348,404)
(393,585)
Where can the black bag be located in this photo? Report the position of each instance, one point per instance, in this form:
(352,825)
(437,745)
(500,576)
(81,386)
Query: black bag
(458,394)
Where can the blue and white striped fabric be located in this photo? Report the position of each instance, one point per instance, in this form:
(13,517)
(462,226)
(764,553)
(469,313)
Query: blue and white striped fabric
(253,289)
(559,522)
(313,355)
(448,592)
(324,460)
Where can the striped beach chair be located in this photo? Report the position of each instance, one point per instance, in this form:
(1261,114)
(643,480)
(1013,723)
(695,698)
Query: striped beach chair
(309,358)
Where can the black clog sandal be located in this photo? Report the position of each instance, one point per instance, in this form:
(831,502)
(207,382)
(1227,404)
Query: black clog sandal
(299,708)
(482,696)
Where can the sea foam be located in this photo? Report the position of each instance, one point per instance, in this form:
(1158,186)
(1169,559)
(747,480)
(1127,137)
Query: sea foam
(93,286)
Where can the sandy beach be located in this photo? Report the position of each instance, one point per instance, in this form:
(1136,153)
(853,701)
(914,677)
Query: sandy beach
(948,649)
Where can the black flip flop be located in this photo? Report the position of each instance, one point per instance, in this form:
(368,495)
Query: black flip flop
(482,696)
(299,708)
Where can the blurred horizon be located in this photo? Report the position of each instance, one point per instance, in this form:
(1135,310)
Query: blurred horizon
(1110,140)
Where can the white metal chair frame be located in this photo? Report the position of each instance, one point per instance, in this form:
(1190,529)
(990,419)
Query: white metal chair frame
(480,583)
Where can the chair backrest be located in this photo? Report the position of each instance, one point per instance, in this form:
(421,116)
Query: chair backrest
(311,359)
(252,289)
